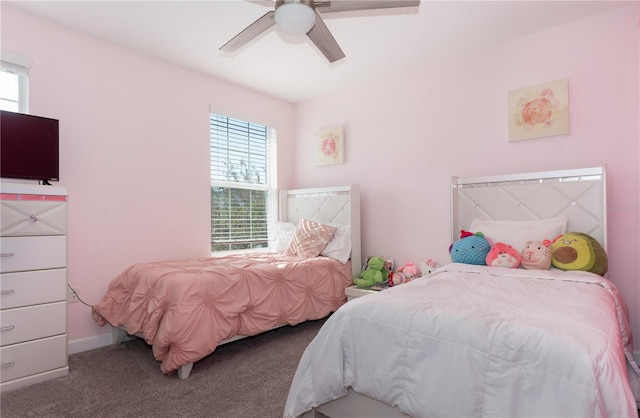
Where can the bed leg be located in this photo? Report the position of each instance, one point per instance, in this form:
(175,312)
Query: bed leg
(119,335)
(185,371)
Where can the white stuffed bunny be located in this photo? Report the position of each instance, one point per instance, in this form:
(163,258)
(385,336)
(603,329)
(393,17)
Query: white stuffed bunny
(428,267)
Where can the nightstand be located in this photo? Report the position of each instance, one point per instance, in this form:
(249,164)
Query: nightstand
(355,292)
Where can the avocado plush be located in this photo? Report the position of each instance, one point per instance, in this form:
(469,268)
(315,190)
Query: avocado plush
(578,251)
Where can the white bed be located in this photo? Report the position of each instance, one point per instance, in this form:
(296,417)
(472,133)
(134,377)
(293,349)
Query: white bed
(483,341)
(191,306)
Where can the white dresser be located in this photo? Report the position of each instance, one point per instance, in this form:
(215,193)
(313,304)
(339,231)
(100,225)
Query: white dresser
(33,284)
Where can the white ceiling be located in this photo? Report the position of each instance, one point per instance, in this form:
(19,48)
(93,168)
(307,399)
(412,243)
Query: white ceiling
(376,43)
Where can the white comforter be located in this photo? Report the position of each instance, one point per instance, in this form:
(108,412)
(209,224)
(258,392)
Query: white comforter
(476,341)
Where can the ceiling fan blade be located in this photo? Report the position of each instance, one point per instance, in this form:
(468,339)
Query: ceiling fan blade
(250,32)
(269,3)
(324,40)
(348,5)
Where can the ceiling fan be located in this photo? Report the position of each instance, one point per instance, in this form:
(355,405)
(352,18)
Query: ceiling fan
(303,17)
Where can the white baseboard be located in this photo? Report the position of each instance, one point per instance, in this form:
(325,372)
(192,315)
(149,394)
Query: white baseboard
(89,343)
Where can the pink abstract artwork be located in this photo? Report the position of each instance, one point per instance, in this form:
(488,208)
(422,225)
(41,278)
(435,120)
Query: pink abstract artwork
(330,146)
(539,111)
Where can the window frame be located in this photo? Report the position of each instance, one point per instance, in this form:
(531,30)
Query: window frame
(18,65)
(269,187)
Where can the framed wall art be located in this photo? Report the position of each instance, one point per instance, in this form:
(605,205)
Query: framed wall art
(539,111)
(329,147)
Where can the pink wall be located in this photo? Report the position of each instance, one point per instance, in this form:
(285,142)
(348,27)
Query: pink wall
(134,150)
(407,135)
(135,135)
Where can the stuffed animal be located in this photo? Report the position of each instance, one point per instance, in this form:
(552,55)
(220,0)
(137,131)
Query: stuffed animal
(428,267)
(470,248)
(374,273)
(409,270)
(389,266)
(389,263)
(536,255)
(396,278)
(578,251)
(503,255)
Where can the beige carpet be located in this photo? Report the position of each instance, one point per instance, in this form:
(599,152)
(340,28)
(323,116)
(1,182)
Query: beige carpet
(246,378)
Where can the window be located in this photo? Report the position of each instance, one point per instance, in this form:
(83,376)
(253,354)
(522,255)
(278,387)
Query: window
(243,183)
(14,83)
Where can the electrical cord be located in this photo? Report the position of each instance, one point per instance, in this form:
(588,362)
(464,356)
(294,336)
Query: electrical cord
(78,296)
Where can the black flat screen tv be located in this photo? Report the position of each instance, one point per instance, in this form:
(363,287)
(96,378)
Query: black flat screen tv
(29,147)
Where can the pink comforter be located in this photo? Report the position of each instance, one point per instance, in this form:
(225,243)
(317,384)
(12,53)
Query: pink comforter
(185,308)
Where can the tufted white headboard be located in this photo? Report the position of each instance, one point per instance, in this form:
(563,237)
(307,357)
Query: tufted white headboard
(339,205)
(579,194)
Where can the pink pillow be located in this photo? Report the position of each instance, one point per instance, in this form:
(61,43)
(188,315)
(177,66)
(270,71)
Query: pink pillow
(310,238)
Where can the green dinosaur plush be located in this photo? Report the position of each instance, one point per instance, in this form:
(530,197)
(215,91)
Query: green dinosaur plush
(374,273)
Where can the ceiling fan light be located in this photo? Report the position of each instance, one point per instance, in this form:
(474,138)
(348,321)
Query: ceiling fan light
(295,18)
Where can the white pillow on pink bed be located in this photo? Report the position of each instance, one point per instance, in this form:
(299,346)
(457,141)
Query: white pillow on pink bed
(283,234)
(339,247)
(517,233)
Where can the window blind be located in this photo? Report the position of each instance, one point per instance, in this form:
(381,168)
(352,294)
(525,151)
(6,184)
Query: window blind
(242,197)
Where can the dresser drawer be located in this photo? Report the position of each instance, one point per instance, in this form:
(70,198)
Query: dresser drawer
(33,253)
(31,217)
(32,322)
(32,287)
(20,360)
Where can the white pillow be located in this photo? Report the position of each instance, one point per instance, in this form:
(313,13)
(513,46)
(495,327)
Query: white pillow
(284,233)
(517,233)
(339,247)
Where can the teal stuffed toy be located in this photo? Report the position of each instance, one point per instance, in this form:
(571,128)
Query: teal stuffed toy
(470,248)
(374,273)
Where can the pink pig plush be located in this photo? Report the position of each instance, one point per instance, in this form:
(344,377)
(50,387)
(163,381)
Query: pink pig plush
(503,255)
(536,255)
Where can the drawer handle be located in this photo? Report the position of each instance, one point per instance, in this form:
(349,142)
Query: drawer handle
(7,291)
(7,328)
(7,254)
(8,364)
(33,218)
